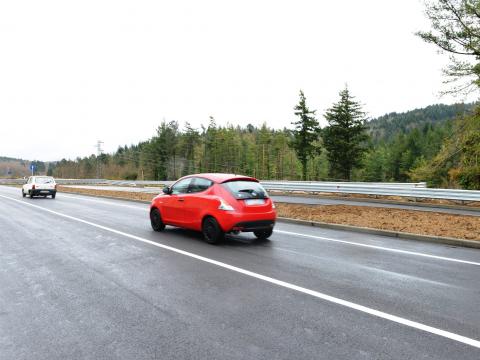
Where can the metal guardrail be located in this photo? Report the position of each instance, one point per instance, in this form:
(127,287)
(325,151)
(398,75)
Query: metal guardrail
(410,190)
(265,183)
(417,193)
(333,183)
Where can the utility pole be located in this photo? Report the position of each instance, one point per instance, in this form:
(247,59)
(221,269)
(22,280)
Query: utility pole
(99,152)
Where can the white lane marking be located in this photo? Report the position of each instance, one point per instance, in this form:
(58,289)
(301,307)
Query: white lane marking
(407,252)
(317,294)
(105,202)
(83,198)
(321,238)
(396,275)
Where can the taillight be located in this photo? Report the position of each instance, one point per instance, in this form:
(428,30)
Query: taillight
(33,187)
(225,206)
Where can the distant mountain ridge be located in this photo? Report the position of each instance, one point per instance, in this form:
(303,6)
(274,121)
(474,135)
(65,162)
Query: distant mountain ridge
(13,167)
(6,158)
(384,128)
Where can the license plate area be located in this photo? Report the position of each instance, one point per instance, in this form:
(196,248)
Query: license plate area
(255,202)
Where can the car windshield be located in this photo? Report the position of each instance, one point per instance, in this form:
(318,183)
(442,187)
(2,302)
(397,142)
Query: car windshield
(44,180)
(246,189)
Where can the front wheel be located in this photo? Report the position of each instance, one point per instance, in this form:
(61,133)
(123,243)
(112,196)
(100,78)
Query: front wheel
(263,234)
(53,195)
(31,194)
(23,193)
(156,220)
(212,232)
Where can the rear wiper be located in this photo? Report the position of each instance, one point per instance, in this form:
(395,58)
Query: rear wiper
(259,195)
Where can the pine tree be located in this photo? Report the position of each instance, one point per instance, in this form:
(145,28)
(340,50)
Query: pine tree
(345,136)
(455,26)
(305,134)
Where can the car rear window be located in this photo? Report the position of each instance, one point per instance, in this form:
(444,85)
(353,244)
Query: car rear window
(246,189)
(44,180)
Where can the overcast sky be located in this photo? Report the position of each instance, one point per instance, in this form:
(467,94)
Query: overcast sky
(75,72)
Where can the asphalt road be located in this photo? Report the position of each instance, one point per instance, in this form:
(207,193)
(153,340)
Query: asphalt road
(86,278)
(309,200)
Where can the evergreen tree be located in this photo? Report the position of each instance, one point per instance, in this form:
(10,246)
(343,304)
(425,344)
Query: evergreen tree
(305,134)
(189,141)
(345,136)
(456,30)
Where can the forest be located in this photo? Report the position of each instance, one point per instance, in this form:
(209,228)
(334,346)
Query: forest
(419,145)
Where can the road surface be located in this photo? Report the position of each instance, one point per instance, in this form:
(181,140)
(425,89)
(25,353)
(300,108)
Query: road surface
(86,278)
(307,200)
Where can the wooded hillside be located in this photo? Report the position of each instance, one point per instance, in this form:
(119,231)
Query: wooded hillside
(400,148)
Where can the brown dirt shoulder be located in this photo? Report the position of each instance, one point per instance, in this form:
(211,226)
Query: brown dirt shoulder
(399,220)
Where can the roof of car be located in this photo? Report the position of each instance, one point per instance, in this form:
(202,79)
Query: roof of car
(221,178)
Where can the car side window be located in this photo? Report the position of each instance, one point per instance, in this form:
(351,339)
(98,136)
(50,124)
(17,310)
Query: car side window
(199,185)
(181,187)
(30,180)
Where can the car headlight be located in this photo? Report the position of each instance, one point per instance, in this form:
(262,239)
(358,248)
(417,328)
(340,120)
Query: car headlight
(225,206)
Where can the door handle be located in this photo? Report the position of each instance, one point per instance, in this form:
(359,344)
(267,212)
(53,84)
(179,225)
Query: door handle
(181,199)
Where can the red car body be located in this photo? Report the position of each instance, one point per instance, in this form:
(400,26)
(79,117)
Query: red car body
(235,203)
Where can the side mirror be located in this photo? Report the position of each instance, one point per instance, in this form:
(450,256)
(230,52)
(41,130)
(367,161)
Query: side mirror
(166,190)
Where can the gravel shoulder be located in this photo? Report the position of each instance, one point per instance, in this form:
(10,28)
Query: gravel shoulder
(400,220)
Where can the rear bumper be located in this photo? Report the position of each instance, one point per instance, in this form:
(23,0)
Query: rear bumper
(234,221)
(37,192)
(249,226)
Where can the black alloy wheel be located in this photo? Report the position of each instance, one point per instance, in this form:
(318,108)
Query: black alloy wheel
(156,220)
(212,232)
(263,234)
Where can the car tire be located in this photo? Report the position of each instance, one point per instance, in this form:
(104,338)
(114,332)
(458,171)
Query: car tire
(30,193)
(263,234)
(211,230)
(156,220)
(53,195)
(23,193)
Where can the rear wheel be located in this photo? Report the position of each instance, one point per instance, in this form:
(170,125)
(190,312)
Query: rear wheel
(212,232)
(53,195)
(156,220)
(263,234)
(23,193)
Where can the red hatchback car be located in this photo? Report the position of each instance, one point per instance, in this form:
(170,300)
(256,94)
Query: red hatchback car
(215,204)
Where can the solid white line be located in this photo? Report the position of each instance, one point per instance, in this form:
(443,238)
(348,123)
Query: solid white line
(84,198)
(406,252)
(380,248)
(144,208)
(319,295)
(383,248)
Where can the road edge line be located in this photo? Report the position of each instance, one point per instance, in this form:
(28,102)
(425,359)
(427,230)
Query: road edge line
(398,234)
(401,235)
